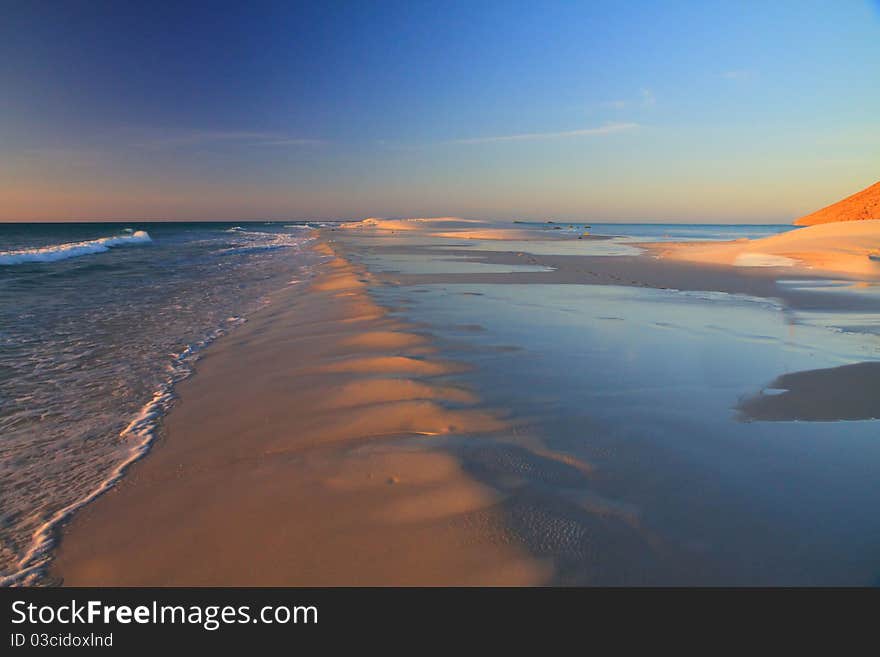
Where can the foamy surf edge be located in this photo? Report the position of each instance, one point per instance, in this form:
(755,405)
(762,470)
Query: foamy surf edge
(143,429)
(57,252)
(264,241)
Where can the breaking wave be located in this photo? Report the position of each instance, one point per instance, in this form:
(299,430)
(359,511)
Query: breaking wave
(56,252)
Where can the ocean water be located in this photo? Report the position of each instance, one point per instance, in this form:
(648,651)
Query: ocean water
(670,232)
(97,323)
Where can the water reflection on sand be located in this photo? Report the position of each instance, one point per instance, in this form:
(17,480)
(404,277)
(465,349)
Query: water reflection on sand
(644,385)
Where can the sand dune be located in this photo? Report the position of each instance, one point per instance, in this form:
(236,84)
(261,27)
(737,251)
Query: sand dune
(415,223)
(862,206)
(841,248)
(456,228)
(493,233)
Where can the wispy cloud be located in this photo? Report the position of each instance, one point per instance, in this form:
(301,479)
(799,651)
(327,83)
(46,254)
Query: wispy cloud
(607,129)
(293,142)
(645,98)
(247,138)
(615,104)
(390,145)
(740,74)
(44,157)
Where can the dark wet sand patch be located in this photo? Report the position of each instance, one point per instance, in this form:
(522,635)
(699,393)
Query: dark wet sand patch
(848,392)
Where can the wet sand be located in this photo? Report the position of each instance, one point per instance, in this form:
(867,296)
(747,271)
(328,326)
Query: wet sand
(307,450)
(330,441)
(848,392)
(672,269)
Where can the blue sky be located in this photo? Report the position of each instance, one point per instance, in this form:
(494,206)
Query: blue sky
(658,111)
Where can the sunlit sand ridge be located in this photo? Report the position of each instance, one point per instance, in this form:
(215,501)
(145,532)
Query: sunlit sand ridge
(305,452)
(451,227)
(843,247)
(843,238)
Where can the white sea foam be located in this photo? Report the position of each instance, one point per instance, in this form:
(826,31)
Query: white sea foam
(141,431)
(72,249)
(85,368)
(263,241)
(255,247)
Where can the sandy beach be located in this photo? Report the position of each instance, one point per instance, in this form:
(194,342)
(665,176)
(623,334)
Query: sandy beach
(307,451)
(843,248)
(335,440)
